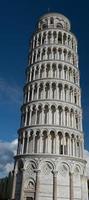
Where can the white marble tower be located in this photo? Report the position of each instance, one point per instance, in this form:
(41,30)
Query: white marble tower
(49,164)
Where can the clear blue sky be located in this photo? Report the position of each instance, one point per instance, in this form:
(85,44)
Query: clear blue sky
(17,22)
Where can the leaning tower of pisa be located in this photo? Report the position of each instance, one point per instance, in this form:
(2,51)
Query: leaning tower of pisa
(49,164)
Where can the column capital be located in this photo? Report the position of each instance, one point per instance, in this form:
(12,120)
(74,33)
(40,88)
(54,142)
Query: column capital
(37,171)
(71,173)
(55,172)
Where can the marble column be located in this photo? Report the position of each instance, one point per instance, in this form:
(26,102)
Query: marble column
(41,142)
(57,92)
(22,185)
(27,147)
(33,146)
(18,148)
(26,113)
(37,184)
(14,186)
(55,185)
(57,144)
(71,186)
(82,182)
(49,143)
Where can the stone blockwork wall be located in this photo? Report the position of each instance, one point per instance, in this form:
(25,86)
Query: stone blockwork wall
(51,178)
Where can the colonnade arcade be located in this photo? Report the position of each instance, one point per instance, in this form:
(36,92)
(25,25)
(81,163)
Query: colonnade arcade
(47,22)
(53,53)
(51,142)
(53,70)
(53,91)
(54,37)
(53,172)
(51,115)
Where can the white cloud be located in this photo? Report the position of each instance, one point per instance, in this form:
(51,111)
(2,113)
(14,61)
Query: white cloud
(86,156)
(7,151)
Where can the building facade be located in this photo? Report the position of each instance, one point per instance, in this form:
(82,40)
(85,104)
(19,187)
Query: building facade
(49,164)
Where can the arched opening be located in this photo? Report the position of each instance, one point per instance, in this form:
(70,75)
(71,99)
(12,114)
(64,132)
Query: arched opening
(35,41)
(47,91)
(41,91)
(69,56)
(49,54)
(54,36)
(54,70)
(60,54)
(78,149)
(43,54)
(28,116)
(60,115)
(65,72)
(71,118)
(75,97)
(53,145)
(44,38)
(53,90)
(35,92)
(49,36)
(74,77)
(30,96)
(42,71)
(69,41)
(25,143)
(60,143)
(48,70)
(33,115)
(32,74)
(31,188)
(66,92)
(77,181)
(73,60)
(26,96)
(59,25)
(37,139)
(65,54)
(60,71)
(46,110)
(64,38)
(37,73)
(39,39)
(70,74)
(59,37)
(34,57)
(53,109)
(76,121)
(39,115)
(66,116)
(60,91)
(38,55)
(30,145)
(20,165)
(54,53)
(51,21)
(66,144)
(72,144)
(71,94)
(44,141)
